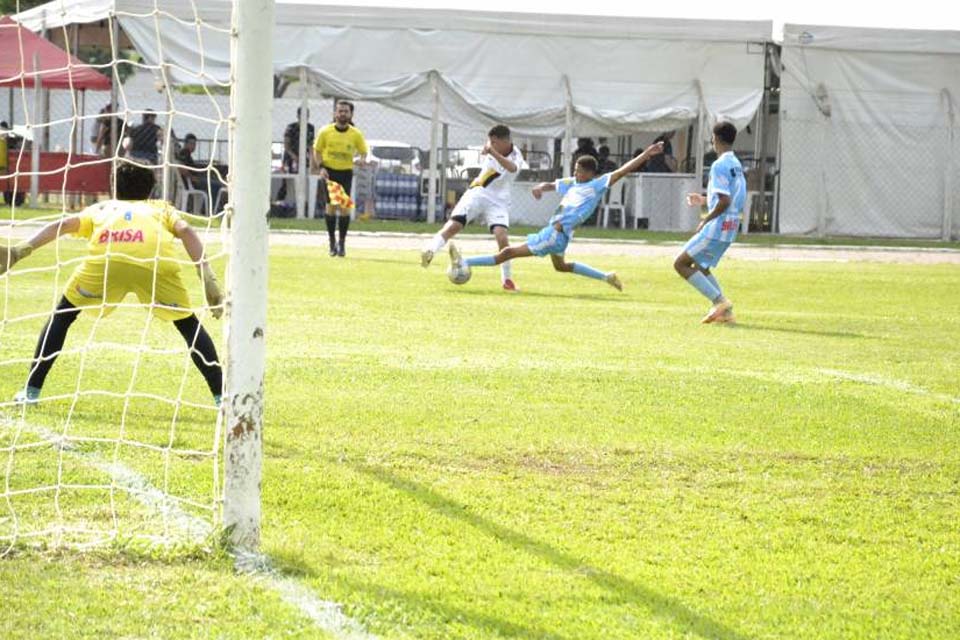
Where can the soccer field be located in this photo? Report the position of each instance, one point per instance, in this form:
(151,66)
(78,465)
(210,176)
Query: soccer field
(569,462)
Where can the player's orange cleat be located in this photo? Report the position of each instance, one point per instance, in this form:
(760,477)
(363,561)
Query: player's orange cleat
(717,312)
(510,285)
(613,280)
(727,318)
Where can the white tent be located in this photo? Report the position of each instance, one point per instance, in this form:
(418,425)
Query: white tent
(539,74)
(869,132)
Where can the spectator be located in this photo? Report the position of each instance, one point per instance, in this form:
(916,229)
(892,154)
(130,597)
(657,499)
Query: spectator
(665,162)
(144,139)
(197,176)
(290,163)
(291,144)
(584,148)
(334,151)
(102,145)
(604,163)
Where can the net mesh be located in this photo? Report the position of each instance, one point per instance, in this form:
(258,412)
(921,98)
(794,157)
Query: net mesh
(125,443)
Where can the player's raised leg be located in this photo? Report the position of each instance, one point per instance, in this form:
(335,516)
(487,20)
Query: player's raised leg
(560,264)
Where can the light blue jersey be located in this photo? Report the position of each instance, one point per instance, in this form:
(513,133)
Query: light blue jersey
(726,178)
(579,200)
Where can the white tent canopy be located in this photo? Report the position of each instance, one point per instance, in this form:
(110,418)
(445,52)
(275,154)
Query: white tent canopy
(616,75)
(869,139)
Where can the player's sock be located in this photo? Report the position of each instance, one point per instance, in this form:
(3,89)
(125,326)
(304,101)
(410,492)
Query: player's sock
(481,261)
(506,271)
(590,272)
(51,342)
(704,286)
(436,243)
(331,228)
(714,282)
(202,352)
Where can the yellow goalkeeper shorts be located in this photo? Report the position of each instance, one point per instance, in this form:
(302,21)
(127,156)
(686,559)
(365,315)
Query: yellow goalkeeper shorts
(90,286)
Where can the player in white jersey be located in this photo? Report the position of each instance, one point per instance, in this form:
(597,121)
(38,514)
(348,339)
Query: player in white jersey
(726,195)
(487,198)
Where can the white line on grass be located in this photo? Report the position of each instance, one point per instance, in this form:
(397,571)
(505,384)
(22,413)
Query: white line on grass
(326,615)
(898,385)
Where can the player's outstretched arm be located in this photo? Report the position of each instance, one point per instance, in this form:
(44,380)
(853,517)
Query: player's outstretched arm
(9,256)
(542,188)
(653,150)
(194,247)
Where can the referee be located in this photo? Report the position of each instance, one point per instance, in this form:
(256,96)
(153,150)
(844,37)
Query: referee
(335,148)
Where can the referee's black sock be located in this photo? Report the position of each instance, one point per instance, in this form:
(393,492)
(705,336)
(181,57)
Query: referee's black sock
(202,352)
(331,228)
(344,226)
(51,342)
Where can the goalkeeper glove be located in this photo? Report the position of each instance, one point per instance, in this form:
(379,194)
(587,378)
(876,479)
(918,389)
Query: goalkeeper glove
(10,256)
(212,290)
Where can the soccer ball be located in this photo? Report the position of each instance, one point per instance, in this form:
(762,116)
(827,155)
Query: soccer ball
(459,274)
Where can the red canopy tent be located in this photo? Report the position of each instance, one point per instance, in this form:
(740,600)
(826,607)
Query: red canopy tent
(25,57)
(57,68)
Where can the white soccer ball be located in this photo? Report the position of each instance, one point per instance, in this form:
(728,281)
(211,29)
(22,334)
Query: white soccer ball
(459,274)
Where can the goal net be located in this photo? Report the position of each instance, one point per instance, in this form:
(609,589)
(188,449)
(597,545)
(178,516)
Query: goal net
(130,412)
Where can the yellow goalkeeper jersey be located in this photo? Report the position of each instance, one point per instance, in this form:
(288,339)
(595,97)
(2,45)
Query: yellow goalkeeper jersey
(135,232)
(337,148)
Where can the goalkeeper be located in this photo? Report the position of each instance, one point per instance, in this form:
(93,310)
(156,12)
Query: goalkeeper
(131,249)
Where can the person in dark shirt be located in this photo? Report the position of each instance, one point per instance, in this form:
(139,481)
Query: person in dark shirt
(291,144)
(604,163)
(198,176)
(664,163)
(145,138)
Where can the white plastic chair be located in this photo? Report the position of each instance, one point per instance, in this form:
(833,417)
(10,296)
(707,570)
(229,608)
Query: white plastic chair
(185,192)
(614,202)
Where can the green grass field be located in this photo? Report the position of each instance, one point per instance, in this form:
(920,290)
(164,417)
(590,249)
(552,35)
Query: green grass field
(569,462)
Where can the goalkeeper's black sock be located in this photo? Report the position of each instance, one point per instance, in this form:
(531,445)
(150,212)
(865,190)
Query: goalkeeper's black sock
(51,342)
(331,229)
(202,352)
(344,226)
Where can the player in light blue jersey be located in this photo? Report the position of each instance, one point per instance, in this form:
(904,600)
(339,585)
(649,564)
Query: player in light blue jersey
(726,195)
(581,194)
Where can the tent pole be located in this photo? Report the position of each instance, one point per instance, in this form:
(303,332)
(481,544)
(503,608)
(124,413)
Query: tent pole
(303,180)
(698,147)
(567,130)
(432,173)
(445,157)
(114,99)
(946,229)
(37,137)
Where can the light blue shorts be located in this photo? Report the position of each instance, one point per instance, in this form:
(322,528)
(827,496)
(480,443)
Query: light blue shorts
(547,241)
(705,251)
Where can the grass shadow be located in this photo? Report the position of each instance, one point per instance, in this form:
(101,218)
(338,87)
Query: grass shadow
(525,293)
(660,605)
(807,332)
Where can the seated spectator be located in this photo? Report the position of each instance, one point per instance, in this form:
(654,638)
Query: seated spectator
(604,163)
(584,148)
(197,175)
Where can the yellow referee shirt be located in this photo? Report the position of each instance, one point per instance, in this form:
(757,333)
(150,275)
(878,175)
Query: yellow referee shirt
(337,148)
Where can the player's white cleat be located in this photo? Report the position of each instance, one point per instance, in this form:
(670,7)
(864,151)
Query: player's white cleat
(718,311)
(426,257)
(614,281)
(456,258)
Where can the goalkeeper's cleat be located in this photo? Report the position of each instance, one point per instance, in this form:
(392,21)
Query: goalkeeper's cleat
(456,258)
(510,285)
(333,249)
(27,395)
(341,250)
(717,312)
(218,400)
(426,257)
(613,280)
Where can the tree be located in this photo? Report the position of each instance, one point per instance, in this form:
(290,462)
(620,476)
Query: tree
(15,6)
